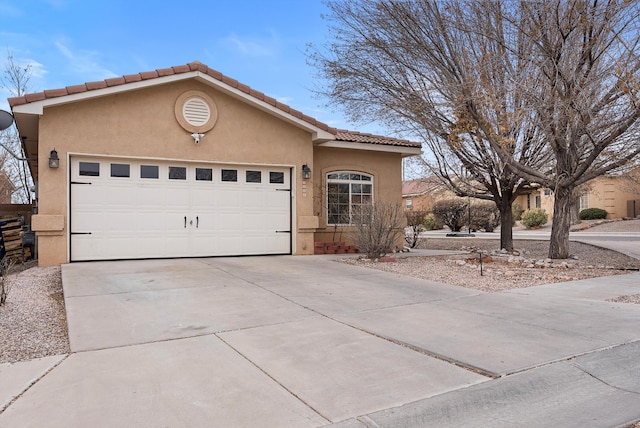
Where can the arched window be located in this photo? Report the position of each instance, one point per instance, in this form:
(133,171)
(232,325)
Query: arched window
(347,192)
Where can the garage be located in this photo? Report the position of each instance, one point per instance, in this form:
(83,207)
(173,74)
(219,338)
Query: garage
(143,208)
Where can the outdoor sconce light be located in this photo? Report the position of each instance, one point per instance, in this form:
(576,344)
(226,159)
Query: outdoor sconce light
(54,160)
(306,172)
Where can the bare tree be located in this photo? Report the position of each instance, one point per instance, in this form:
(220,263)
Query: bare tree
(520,93)
(15,78)
(414,65)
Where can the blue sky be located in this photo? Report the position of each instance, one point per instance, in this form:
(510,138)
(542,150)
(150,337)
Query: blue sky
(261,43)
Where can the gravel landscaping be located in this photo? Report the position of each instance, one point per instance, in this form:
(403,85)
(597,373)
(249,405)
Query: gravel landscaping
(33,322)
(526,267)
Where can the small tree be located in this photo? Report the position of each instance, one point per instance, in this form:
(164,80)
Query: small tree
(378,228)
(452,212)
(415,225)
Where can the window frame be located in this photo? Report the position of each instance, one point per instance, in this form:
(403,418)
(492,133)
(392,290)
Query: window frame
(350,182)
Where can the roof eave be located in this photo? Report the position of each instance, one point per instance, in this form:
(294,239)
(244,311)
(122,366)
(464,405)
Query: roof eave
(405,151)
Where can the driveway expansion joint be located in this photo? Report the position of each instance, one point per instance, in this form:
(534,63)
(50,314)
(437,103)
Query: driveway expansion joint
(326,418)
(14,399)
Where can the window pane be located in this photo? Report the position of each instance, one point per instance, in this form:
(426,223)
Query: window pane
(355,177)
(254,177)
(177,173)
(366,188)
(149,171)
(276,177)
(229,175)
(366,178)
(119,170)
(90,169)
(204,174)
(356,188)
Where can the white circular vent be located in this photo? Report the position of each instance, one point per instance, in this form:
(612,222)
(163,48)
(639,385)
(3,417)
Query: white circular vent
(196,111)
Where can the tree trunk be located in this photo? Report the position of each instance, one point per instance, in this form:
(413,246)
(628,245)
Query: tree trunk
(559,243)
(506,223)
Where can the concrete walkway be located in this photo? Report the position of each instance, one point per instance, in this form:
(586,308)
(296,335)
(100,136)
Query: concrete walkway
(307,342)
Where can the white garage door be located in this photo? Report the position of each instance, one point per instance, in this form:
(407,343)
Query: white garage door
(123,209)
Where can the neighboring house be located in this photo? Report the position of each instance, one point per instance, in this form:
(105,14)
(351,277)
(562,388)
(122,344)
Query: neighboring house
(187,162)
(420,194)
(6,188)
(619,195)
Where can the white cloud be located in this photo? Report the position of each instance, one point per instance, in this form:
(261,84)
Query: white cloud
(253,46)
(84,63)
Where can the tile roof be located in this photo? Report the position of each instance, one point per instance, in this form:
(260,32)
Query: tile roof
(357,137)
(420,186)
(341,135)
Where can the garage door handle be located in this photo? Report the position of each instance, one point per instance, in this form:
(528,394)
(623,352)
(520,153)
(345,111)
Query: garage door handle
(185,222)
(197,221)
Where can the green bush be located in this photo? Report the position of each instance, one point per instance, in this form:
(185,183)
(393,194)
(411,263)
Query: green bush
(592,214)
(484,215)
(517,211)
(431,222)
(534,218)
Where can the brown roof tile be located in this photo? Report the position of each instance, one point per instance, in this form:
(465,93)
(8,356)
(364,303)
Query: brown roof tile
(165,72)
(16,101)
(116,81)
(341,135)
(39,96)
(53,93)
(229,81)
(178,69)
(146,75)
(76,89)
(96,85)
(130,78)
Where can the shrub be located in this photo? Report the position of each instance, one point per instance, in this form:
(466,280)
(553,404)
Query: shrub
(431,222)
(415,225)
(378,228)
(451,212)
(534,218)
(592,214)
(484,215)
(517,211)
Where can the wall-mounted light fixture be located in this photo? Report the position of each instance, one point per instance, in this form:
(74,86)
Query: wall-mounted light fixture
(306,172)
(54,160)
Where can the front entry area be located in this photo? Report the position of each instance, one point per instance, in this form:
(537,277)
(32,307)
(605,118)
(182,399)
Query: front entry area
(137,209)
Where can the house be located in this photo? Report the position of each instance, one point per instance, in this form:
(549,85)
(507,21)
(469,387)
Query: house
(619,195)
(420,194)
(7,188)
(187,162)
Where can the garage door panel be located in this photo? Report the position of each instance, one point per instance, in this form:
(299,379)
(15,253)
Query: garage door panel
(136,217)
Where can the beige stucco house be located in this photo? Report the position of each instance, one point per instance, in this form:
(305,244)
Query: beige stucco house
(619,195)
(187,162)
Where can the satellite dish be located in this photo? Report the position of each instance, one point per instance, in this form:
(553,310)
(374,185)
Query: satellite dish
(6,119)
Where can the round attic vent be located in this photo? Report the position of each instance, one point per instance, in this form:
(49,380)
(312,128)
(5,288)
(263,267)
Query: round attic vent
(196,112)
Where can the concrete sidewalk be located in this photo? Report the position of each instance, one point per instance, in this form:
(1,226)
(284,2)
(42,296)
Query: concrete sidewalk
(306,341)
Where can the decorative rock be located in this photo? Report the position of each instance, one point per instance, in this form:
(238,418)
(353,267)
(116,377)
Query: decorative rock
(509,273)
(461,262)
(387,259)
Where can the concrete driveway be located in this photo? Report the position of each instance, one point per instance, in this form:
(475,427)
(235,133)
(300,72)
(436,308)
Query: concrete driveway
(306,342)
